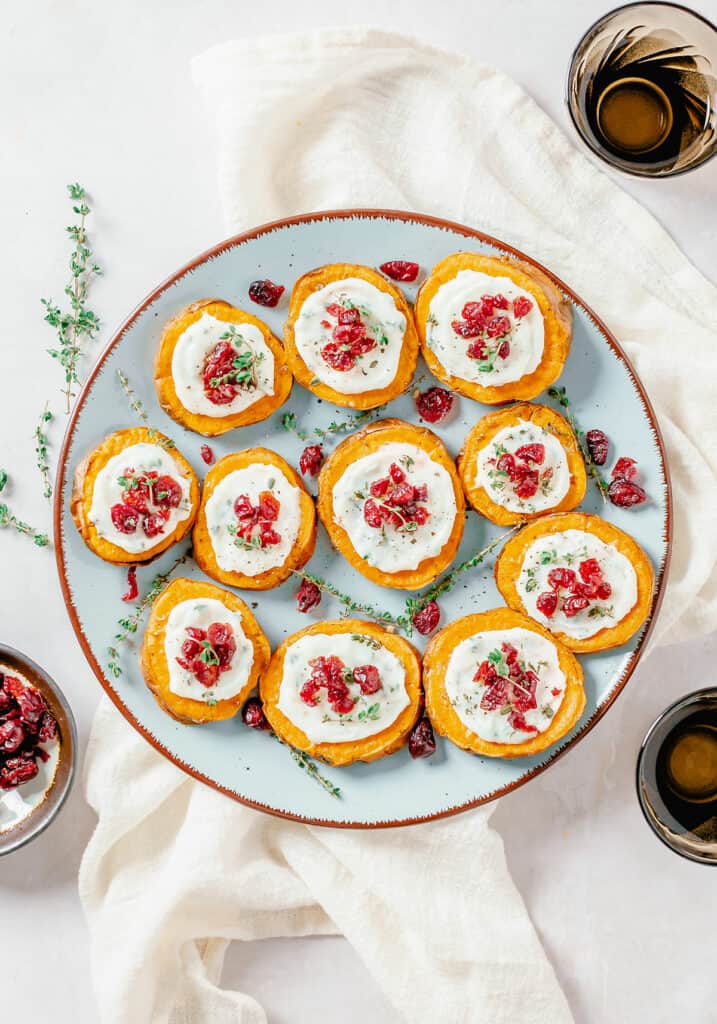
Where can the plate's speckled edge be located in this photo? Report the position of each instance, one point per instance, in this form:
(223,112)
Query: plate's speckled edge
(631,659)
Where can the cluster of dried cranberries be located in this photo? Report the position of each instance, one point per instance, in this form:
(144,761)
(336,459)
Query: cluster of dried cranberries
(574,592)
(332,674)
(227,371)
(147,501)
(488,330)
(520,469)
(25,722)
(255,523)
(395,501)
(350,338)
(509,687)
(623,490)
(208,652)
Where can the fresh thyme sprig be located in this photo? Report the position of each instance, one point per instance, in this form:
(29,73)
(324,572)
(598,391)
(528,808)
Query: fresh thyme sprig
(306,764)
(10,521)
(561,397)
(347,426)
(130,624)
(77,323)
(41,445)
(447,582)
(135,404)
(384,618)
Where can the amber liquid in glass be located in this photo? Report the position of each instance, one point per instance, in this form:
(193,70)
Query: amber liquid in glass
(687,773)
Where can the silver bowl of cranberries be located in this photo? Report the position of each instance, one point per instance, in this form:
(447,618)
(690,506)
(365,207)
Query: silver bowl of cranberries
(38,744)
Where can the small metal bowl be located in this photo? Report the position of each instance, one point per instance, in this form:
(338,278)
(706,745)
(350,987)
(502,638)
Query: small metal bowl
(661,821)
(38,820)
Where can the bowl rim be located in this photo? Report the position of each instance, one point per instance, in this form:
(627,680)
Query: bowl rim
(55,802)
(569,75)
(688,698)
(369,213)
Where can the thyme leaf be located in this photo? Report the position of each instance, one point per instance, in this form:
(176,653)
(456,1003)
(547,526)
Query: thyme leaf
(561,397)
(41,446)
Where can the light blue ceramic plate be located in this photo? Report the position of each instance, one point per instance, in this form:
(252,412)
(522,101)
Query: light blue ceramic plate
(251,766)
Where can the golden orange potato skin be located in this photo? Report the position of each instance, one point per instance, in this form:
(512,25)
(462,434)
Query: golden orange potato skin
(362,443)
(378,745)
(442,713)
(510,562)
(557,317)
(83,487)
(483,433)
(153,659)
(303,547)
(211,426)
(320,277)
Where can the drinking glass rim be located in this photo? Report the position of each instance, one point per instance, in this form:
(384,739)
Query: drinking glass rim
(568,78)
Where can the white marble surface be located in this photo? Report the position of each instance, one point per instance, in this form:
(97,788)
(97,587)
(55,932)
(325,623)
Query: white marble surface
(101,92)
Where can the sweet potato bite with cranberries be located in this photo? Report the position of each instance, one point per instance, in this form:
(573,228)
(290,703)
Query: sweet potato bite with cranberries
(219,367)
(343,691)
(203,652)
(500,685)
(579,576)
(392,504)
(492,328)
(350,336)
(256,523)
(522,462)
(134,496)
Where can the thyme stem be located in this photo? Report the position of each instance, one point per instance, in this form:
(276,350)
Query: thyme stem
(41,445)
(306,764)
(561,397)
(10,521)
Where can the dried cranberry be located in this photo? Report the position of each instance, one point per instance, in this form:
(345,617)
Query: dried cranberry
(207,454)
(598,446)
(528,486)
(561,578)
(18,770)
(624,469)
(338,357)
(265,292)
(521,306)
(155,523)
(517,721)
(504,350)
(124,518)
(400,270)
(427,618)
(167,492)
(368,678)
(477,350)
(434,404)
(269,507)
(506,464)
(48,727)
(467,328)
(372,514)
(499,301)
(12,735)
(625,494)
(474,311)
(590,569)
(349,316)
(13,686)
(396,473)
(498,326)
(132,588)
(205,674)
(604,590)
(574,604)
(310,692)
(532,453)
(421,740)
(523,692)
(547,603)
(253,715)
(311,459)
(307,596)
(32,705)
(495,694)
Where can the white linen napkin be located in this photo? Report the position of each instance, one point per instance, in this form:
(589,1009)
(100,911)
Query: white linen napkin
(174,870)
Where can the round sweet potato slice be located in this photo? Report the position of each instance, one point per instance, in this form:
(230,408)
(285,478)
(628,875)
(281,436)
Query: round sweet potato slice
(441,709)
(545,421)
(370,441)
(296,555)
(86,475)
(366,397)
(165,385)
(153,656)
(554,309)
(509,566)
(369,637)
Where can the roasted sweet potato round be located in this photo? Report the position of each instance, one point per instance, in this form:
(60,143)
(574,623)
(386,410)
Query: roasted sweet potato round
(500,685)
(392,504)
(247,376)
(350,336)
(256,522)
(582,578)
(342,679)
(520,463)
(203,652)
(133,496)
(492,328)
